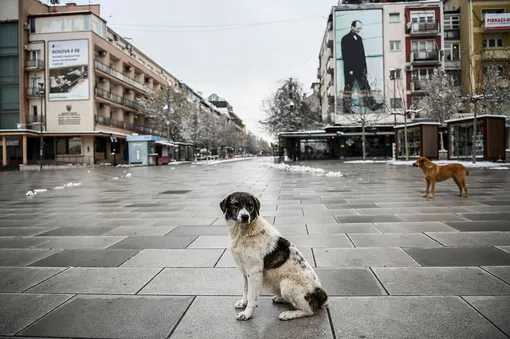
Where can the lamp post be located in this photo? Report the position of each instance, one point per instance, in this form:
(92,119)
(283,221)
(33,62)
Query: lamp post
(41,139)
(393,77)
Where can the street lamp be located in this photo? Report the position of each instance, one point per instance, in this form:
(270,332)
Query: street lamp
(41,139)
(393,77)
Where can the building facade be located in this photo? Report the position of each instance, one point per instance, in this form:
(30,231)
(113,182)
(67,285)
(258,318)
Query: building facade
(66,75)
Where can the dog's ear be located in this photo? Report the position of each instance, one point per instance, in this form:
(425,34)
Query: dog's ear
(257,204)
(223,204)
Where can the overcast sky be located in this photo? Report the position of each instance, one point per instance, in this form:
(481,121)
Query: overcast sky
(217,55)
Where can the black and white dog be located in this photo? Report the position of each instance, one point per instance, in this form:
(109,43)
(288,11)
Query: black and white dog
(267,259)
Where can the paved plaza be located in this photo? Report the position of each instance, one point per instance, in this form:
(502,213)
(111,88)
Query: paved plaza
(146,256)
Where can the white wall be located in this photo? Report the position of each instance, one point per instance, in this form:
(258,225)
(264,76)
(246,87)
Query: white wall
(9,10)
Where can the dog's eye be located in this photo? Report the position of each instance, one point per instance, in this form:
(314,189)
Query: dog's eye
(249,205)
(236,204)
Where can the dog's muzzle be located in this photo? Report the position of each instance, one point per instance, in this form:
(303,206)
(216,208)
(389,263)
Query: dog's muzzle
(415,165)
(243,216)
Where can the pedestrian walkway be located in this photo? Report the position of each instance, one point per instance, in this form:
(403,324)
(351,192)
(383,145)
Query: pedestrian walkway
(143,252)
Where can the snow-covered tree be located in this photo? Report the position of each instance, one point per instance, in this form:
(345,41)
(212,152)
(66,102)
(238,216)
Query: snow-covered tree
(168,110)
(286,110)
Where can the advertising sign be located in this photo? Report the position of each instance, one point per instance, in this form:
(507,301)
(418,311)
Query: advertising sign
(68,68)
(359,58)
(497,21)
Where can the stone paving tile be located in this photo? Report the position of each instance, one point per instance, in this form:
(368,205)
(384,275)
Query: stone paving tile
(86,258)
(22,231)
(78,242)
(199,230)
(113,317)
(140,230)
(464,239)
(440,281)
(77,231)
(175,258)
(392,240)
(18,242)
(479,226)
(413,227)
(125,222)
(340,212)
(211,241)
(496,309)
(349,281)
(342,228)
(366,218)
(502,272)
(22,257)
(362,257)
(227,260)
(297,220)
(320,240)
(487,216)
(97,281)
(418,317)
(19,279)
(504,248)
(430,217)
(197,324)
(154,242)
(17,311)
(196,281)
(460,256)
(288,229)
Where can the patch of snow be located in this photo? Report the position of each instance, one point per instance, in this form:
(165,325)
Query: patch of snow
(115,178)
(59,188)
(40,190)
(72,184)
(366,162)
(334,174)
(88,171)
(30,194)
(128,175)
(303,169)
(499,168)
(468,164)
(216,162)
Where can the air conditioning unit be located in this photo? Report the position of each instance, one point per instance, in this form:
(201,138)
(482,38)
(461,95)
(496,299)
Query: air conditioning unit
(26,26)
(408,68)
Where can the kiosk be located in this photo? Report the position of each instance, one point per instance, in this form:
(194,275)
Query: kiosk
(142,149)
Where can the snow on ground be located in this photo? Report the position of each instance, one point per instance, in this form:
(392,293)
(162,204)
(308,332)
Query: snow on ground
(128,175)
(216,162)
(469,164)
(499,168)
(365,162)
(302,169)
(42,190)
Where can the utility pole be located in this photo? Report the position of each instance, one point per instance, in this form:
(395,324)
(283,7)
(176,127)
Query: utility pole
(41,138)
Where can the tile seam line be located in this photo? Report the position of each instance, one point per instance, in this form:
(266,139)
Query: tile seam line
(440,243)
(380,282)
(483,316)
(40,282)
(331,325)
(148,282)
(492,274)
(219,258)
(73,295)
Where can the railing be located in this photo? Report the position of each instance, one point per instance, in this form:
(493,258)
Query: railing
(423,27)
(126,125)
(116,98)
(32,91)
(104,68)
(33,119)
(427,55)
(420,85)
(37,63)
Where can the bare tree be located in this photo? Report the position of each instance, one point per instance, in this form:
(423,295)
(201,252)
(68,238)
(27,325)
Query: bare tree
(168,109)
(286,110)
(399,105)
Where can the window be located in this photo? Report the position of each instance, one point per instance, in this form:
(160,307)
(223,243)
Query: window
(395,73)
(395,45)
(35,54)
(423,74)
(423,45)
(492,10)
(394,17)
(493,41)
(34,110)
(452,51)
(423,17)
(69,145)
(396,102)
(451,21)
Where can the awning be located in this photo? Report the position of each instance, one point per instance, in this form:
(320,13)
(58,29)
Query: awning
(166,143)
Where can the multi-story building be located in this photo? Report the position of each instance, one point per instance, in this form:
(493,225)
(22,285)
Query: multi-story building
(227,110)
(64,72)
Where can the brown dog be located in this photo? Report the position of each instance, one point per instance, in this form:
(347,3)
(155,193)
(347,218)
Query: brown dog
(436,173)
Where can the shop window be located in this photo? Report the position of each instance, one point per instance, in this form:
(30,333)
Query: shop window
(100,145)
(461,140)
(68,145)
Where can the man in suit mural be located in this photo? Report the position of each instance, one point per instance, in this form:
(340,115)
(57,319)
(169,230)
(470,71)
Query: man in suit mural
(355,69)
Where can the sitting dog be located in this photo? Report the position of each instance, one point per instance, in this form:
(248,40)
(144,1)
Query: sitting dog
(267,259)
(436,173)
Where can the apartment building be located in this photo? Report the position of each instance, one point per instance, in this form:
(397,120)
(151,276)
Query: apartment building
(64,72)
(402,43)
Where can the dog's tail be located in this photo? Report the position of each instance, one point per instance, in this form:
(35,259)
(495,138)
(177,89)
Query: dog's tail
(317,299)
(467,172)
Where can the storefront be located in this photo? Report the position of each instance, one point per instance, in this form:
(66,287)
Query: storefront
(142,149)
(166,152)
(490,140)
(422,140)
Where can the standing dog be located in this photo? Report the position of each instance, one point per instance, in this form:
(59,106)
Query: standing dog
(267,259)
(436,173)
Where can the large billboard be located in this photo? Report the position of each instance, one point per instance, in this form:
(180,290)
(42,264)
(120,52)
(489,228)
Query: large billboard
(359,61)
(68,68)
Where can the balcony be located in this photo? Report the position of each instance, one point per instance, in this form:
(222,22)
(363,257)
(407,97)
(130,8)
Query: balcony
(117,75)
(420,86)
(116,98)
(496,53)
(127,126)
(35,121)
(33,92)
(452,64)
(423,28)
(36,64)
(426,57)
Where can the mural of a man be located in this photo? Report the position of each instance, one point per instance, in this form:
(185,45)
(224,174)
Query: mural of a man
(355,67)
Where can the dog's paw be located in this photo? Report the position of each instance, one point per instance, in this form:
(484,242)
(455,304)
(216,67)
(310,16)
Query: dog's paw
(242,316)
(288,315)
(241,303)
(425,195)
(278,300)
(431,197)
